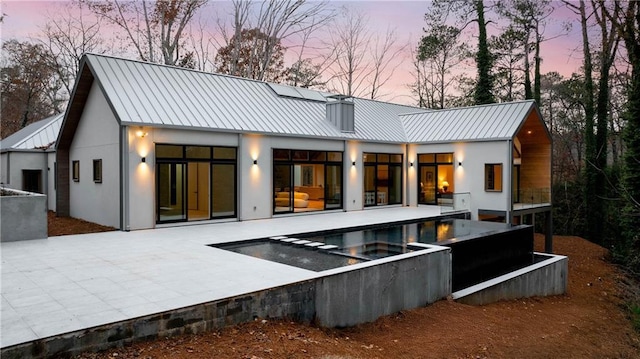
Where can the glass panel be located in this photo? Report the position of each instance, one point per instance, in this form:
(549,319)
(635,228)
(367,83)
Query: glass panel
(369,157)
(427,185)
(224,153)
(282,189)
(198,191)
(223,190)
(334,156)
(317,156)
(382,158)
(382,185)
(333,188)
(427,158)
(395,184)
(396,158)
(198,152)
(370,185)
(446,184)
(444,158)
(281,155)
(300,155)
(493,177)
(171,192)
(168,151)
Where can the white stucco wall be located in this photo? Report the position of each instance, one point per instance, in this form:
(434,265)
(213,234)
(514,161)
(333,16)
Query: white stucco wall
(14,162)
(96,138)
(470,176)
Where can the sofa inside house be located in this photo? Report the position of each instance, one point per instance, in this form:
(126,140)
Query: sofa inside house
(300,199)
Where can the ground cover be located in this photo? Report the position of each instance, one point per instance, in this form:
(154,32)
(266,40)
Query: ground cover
(60,226)
(590,321)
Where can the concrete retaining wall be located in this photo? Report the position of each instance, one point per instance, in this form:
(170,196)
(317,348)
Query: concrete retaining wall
(549,277)
(353,296)
(23,216)
(295,302)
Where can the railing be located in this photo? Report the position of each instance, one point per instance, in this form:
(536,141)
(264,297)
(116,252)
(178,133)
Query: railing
(532,196)
(456,202)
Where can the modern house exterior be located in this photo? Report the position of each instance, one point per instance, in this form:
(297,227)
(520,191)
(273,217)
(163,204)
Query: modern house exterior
(145,145)
(28,158)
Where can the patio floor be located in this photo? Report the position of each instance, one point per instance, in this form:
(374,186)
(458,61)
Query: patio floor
(63,284)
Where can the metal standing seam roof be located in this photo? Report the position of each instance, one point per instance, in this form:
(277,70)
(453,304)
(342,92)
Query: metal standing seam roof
(151,94)
(38,135)
(477,123)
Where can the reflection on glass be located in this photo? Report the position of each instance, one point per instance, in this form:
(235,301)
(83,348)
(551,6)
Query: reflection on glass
(171,192)
(223,181)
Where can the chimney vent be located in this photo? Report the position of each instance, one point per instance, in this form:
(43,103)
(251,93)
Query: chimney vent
(340,112)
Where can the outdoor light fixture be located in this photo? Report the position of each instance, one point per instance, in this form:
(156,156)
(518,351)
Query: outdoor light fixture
(353,163)
(411,164)
(255,162)
(459,164)
(144,159)
(140,133)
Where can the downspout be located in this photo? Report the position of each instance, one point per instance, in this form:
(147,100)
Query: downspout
(407,183)
(239,172)
(8,167)
(509,218)
(45,176)
(124,178)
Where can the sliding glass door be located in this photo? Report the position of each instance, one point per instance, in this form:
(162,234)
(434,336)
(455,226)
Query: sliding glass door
(306,181)
(195,183)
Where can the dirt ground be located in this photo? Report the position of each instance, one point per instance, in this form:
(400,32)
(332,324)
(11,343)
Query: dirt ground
(588,322)
(60,226)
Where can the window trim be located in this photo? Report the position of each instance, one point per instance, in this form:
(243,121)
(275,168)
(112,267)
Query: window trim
(97,170)
(490,171)
(75,170)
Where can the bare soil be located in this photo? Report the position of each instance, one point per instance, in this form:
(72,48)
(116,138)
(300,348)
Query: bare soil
(60,226)
(590,321)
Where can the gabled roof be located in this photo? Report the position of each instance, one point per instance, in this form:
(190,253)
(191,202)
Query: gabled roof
(499,121)
(148,94)
(40,135)
(143,93)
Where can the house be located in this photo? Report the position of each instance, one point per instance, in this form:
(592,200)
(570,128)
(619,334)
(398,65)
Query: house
(28,157)
(146,145)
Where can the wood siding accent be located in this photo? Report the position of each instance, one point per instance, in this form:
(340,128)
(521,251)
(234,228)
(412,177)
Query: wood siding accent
(535,170)
(63,208)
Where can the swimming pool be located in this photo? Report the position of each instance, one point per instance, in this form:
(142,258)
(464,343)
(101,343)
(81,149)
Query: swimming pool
(479,250)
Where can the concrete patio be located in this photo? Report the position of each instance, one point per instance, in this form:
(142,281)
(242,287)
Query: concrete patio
(68,283)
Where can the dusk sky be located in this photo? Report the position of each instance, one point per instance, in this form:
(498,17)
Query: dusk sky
(24,19)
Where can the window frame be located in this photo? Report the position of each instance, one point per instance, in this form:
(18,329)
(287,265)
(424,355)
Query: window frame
(490,174)
(97,170)
(75,170)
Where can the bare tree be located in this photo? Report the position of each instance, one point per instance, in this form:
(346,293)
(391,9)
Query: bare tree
(68,34)
(386,56)
(156,30)
(278,20)
(351,39)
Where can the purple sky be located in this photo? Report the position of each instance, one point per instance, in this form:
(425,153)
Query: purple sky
(25,18)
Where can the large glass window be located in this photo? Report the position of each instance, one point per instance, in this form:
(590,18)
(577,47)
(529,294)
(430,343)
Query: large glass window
(382,179)
(195,182)
(305,181)
(435,178)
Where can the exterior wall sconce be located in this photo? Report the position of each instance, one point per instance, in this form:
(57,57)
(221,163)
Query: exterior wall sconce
(255,162)
(140,133)
(459,164)
(353,163)
(411,164)
(143,159)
